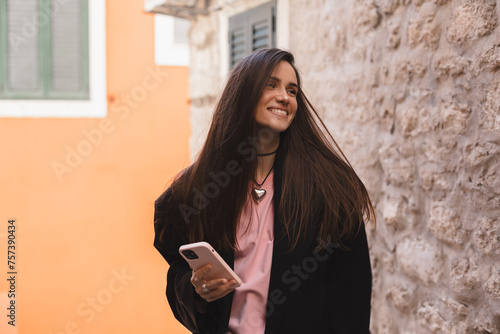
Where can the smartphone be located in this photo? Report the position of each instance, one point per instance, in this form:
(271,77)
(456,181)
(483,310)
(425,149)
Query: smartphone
(200,253)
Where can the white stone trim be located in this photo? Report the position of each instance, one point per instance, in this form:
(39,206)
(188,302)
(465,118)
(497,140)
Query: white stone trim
(150,5)
(282,24)
(97,105)
(224,42)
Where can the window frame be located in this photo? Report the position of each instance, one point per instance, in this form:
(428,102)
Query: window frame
(95,104)
(45,90)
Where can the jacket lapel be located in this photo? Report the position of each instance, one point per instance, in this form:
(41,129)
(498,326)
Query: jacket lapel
(282,260)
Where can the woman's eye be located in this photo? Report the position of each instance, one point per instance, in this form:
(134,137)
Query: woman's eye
(292,92)
(271,85)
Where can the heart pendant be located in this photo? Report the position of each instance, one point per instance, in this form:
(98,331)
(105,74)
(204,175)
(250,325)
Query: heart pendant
(258,194)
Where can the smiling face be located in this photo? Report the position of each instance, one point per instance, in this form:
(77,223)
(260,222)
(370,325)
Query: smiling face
(278,103)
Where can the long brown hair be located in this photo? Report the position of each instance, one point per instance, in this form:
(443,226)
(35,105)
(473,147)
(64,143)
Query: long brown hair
(208,197)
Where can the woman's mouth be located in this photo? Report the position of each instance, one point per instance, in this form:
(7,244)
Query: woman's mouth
(282,113)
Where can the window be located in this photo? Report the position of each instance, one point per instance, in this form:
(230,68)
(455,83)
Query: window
(44,52)
(251,30)
(53,58)
(171,41)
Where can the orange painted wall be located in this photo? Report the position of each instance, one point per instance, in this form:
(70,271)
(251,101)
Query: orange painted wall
(85,258)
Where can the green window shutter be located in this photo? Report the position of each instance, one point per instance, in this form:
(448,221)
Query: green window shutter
(66,48)
(250,31)
(23,49)
(44,49)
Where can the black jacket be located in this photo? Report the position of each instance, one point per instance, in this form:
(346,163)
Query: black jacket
(324,292)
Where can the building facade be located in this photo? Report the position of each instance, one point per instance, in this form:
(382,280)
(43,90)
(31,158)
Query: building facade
(410,90)
(92,129)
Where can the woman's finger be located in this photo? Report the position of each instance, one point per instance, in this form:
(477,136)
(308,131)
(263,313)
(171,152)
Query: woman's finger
(219,291)
(197,276)
(206,288)
(213,284)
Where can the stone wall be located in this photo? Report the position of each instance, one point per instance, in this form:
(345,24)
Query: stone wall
(411,92)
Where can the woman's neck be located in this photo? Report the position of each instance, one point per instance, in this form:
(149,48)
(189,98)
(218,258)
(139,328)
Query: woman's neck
(265,161)
(264,165)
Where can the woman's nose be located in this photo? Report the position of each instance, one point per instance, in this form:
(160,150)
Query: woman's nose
(283,96)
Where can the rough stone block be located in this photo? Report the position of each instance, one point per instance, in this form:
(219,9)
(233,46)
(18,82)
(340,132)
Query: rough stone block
(457,308)
(481,153)
(430,318)
(402,298)
(486,322)
(472,20)
(454,121)
(388,262)
(386,324)
(426,174)
(445,224)
(455,116)
(482,160)
(393,35)
(492,285)
(423,30)
(418,258)
(427,120)
(398,169)
(396,214)
(490,58)
(366,16)
(409,69)
(486,236)
(433,178)
(407,120)
(464,277)
(388,7)
(490,117)
(450,65)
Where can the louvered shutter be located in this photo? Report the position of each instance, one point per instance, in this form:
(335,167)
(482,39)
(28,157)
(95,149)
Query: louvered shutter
(23,72)
(66,48)
(250,31)
(44,49)
(239,45)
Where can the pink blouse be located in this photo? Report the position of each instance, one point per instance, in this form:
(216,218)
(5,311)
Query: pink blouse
(252,263)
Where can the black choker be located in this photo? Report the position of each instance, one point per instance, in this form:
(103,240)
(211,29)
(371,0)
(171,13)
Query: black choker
(264,154)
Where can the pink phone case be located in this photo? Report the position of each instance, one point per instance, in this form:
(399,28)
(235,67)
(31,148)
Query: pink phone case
(200,253)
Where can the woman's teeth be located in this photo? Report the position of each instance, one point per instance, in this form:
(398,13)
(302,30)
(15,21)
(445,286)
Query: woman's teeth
(279,111)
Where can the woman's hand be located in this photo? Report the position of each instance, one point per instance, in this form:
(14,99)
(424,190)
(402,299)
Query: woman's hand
(213,289)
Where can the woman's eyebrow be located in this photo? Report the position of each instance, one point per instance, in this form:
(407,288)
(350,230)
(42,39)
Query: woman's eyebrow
(278,80)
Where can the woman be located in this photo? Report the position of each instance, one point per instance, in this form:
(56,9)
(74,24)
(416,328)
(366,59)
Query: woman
(278,200)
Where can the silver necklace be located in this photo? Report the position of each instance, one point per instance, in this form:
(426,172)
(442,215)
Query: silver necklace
(258,193)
